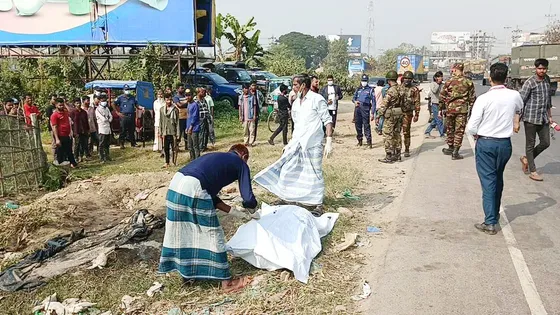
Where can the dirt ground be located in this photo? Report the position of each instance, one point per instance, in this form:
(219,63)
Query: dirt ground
(103,201)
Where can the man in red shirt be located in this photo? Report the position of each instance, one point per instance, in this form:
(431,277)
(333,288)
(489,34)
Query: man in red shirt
(29,108)
(60,123)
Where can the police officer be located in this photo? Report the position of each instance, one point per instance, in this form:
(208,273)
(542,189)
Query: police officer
(364,99)
(411,103)
(126,106)
(391,111)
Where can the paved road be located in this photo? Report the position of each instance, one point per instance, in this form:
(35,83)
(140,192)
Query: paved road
(437,263)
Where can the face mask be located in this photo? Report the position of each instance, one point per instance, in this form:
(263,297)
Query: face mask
(126,92)
(407,83)
(97,93)
(104,104)
(364,84)
(330,82)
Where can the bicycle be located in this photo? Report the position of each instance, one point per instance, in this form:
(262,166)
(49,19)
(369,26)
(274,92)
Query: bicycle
(273,121)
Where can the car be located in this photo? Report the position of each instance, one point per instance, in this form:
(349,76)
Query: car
(222,90)
(259,75)
(373,81)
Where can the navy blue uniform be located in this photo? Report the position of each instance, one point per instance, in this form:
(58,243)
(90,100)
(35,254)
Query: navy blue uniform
(127,106)
(366,97)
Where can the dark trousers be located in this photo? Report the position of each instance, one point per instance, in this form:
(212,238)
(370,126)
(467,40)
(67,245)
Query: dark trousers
(194,145)
(104,143)
(182,129)
(204,133)
(93,141)
(531,132)
(127,129)
(167,147)
(254,140)
(492,156)
(333,114)
(83,145)
(76,146)
(361,117)
(283,117)
(64,151)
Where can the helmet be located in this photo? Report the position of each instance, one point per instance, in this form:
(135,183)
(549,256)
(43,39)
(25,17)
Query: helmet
(408,75)
(365,78)
(391,75)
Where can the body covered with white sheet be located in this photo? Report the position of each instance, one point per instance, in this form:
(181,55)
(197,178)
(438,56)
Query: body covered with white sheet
(298,175)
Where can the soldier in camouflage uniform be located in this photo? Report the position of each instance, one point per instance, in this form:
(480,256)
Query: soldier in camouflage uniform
(411,103)
(456,98)
(390,110)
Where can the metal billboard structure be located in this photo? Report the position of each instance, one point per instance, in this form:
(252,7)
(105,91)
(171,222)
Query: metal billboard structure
(353,42)
(99,31)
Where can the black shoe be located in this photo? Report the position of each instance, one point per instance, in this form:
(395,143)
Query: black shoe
(397,156)
(387,160)
(448,151)
(270,141)
(359,143)
(406,153)
(486,228)
(369,145)
(455,155)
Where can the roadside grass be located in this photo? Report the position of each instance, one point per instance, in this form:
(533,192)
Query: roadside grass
(331,283)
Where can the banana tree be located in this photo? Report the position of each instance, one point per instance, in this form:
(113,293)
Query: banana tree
(236,34)
(253,50)
(221,25)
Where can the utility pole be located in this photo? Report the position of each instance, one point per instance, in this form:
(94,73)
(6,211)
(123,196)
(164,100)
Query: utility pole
(516,34)
(508,47)
(550,16)
(371,30)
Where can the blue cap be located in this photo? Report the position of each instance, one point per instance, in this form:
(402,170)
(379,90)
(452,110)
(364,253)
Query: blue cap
(126,87)
(365,78)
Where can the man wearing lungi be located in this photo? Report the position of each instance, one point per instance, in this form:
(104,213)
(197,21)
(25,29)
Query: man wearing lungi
(194,243)
(297,176)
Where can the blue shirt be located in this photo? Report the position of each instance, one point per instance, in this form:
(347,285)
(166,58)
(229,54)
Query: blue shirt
(366,97)
(194,119)
(219,169)
(127,104)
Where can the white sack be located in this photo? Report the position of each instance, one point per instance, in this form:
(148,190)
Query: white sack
(285,237)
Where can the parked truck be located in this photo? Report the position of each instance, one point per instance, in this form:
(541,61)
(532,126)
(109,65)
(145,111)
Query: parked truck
(505,59)
(474,69)
(413,63)
(523,64)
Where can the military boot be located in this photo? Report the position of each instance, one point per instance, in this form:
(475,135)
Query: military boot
(455,155)
(388,159)
(406,152)
(448,151)
(359,142)
(397,156)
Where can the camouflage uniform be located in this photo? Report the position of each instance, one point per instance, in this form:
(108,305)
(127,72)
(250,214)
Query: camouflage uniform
(456,97)
(392,122)
(411,103)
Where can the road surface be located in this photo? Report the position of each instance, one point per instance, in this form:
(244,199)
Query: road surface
(438,263)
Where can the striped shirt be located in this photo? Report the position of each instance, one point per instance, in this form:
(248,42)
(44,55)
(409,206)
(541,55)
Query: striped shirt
(536,98)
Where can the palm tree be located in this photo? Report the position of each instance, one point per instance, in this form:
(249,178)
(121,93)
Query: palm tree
(220,26)
(236,34)
(253,50)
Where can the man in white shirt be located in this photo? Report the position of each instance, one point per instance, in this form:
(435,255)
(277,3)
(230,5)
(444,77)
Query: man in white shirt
(332,94)
(159,103)
(104,119)
(494,118)
(298,175)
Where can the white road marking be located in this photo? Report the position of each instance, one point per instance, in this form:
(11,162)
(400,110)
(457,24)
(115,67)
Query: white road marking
(525,279)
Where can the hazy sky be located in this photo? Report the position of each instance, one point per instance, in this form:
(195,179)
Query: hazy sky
(395,21)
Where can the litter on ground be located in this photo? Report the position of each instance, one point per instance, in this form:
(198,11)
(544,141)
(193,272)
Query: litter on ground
(349,241)
(154,289)
(373,229)
(366,292)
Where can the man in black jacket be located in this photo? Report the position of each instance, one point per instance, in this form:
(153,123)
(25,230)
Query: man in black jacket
(332,94)
(283,116)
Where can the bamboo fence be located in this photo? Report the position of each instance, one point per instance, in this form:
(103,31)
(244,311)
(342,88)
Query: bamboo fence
(22,159)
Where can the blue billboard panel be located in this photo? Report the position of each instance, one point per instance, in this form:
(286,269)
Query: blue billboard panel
(356,66)
(353,42)
(100,22)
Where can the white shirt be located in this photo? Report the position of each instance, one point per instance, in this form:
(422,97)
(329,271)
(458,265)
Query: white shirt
(332,97)
(158,104)
(291,96)
(310,114)
(493,112)
(104,119)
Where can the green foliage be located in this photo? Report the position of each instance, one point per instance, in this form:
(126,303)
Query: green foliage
(146,66)
(54,178)
(281,61)
(312,49)
(388,60)
(336,61)
(552,35)
(246,47)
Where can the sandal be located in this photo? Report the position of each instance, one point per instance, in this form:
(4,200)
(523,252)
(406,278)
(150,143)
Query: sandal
(317,211)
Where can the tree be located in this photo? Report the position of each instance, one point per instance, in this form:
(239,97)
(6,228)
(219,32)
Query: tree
(312,49)
(552,35)
(245,46)
(336,61)
(219,35)
(388,60)
(282,61)
(253,52)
